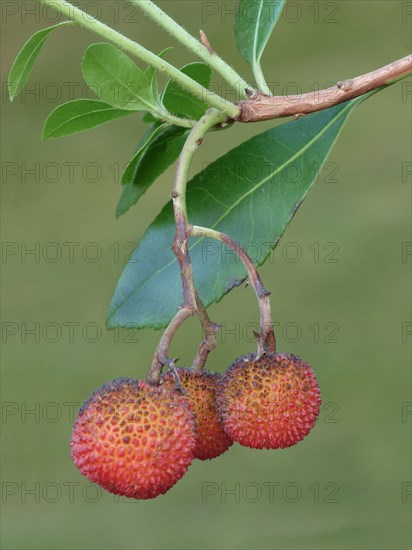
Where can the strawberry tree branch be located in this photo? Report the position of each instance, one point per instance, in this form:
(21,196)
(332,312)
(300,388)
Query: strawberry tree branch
(258,107)
(266,338)
(261,107)
(191,301)
(87,21)
(205,53)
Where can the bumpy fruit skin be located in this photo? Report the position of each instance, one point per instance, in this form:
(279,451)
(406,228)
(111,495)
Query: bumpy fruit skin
(201,388)
(134,439)
(270,403)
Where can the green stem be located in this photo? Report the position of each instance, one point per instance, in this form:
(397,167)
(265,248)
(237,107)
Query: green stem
(211,119)
(131,47)
(207,55)
(177,121)
(180,245)
(191,301)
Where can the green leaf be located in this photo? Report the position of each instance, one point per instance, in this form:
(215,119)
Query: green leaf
(129,174)
(116,79)
(151,72)
(148,136)
(255,20)
(78,115)
(148,118)
(23,64)
(251,193)
(182,103)
(157,150)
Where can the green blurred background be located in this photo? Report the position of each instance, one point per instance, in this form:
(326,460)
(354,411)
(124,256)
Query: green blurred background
(347,485)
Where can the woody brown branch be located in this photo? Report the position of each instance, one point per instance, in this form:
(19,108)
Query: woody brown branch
(262,107)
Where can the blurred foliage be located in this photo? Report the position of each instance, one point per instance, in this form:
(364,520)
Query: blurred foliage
(364,375)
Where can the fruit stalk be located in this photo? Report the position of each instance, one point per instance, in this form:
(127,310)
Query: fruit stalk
(192,303)
(266,339)
(209,343)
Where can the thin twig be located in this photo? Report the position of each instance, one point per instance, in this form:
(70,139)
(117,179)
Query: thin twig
(263,107)
(191,301)
(266,338)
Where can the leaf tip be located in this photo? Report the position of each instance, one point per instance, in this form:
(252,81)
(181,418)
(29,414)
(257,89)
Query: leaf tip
(44,135)
(12,89)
